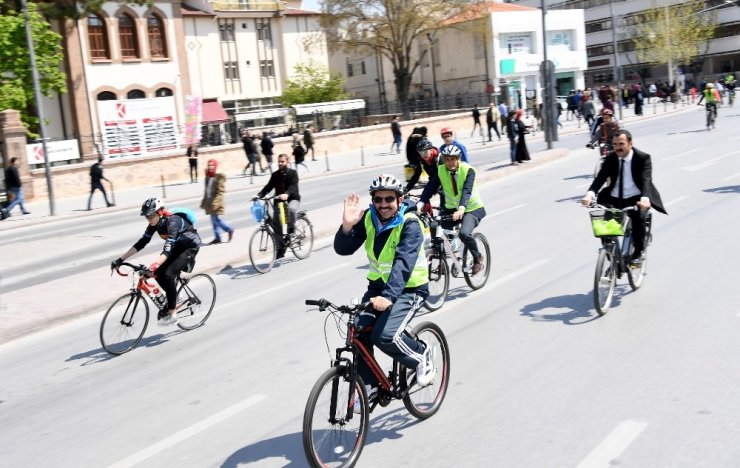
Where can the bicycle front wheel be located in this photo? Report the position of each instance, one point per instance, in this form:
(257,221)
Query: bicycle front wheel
(124,323)
(301,242)
(333,435)
(195,300)
(262,250)
(439,281)
(479,280)
(424,402)
(605,280)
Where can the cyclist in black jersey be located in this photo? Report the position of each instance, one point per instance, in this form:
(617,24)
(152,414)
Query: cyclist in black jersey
(181,245)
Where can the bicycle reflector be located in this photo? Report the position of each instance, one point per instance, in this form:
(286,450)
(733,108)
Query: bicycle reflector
(258,211)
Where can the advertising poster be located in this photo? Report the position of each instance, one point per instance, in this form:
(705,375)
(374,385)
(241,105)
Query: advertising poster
(193,119)
(136,127)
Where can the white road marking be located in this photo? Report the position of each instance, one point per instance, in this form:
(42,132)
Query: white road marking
(280,286)
(583,185)
(613,445)
(709,162)
(188,432)
(734,176)
(681,154)
(676,200)
(498,213)
(519,272)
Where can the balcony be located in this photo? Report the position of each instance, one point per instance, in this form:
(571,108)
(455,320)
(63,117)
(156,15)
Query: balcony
(248,5)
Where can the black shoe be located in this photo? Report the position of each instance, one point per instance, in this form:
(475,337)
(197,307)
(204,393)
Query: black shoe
(215,241)
(280,254)
(110,204)
(26,212)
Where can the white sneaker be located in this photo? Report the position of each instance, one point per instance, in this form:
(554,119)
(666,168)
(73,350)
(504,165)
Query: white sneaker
(425,371)
(167,320)
(371,392)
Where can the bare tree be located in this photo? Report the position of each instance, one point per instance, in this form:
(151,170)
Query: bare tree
(390,28)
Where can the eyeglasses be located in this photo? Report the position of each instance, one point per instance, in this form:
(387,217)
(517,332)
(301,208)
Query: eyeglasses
(445,135)
(388,199)
(151,216)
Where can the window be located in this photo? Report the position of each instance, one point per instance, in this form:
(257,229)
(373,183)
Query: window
(517,43)
(107,96)
(135,94)
(349,70)
(267,69)
(264,32)
(163,92)
(97,36)
(231,71)
(363,67)
(157,43)
(227,32)
(127,36)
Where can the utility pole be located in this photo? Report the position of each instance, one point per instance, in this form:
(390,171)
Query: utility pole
(617,74)
(548,101)
(434,72)
(668,43)
(39,110)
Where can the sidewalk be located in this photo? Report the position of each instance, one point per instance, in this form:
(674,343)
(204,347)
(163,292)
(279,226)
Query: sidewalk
(28,310)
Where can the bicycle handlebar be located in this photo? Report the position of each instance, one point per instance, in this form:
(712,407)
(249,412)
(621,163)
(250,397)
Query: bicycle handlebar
(137,268)
(323,305)
(595,205)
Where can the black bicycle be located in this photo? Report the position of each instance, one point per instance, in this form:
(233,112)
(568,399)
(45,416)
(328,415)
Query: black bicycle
(334,432)
(263,244)
(125,321)
(609,225)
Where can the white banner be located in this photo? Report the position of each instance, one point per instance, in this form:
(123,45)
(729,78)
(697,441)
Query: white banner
(136,127)
(66,150)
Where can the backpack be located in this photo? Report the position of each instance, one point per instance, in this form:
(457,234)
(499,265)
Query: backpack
(186,213)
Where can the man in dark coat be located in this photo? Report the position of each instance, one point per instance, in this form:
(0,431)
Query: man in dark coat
(13,185)
(630,174)
(96,178)
(284,182)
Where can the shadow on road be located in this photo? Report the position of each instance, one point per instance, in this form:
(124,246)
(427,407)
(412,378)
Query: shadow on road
(727,189)
(703,130)
(578,308)
(290,446)
(97,355)
(574,198)
(582,176)
(247,271)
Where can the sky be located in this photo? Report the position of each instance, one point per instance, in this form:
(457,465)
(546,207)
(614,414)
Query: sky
(311,5)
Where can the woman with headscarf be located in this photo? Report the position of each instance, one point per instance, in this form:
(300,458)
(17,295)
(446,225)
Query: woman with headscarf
(522,154)
(213,201)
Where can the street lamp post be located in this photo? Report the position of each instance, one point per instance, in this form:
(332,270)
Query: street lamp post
(668,43)
(617,74)
(39,110)
(434,72)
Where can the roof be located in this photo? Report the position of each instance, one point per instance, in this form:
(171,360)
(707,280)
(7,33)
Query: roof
(480,10)
(213,112)
(188,10)
(297,12)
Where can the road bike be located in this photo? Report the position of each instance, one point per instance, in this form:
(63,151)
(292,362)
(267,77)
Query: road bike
(711,113)
(609,225)
(125,321)
(334,432)
(603,152)
(444,259)
(263,244)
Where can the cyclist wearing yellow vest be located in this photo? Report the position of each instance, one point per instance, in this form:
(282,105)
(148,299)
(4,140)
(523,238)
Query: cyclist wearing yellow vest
(397,278)
(711,97)
(461,199)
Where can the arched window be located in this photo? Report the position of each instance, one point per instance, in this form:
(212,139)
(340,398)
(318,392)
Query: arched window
(97,36)
(163,92)
(107,96)
(135,94)
(157,42)
(127,36)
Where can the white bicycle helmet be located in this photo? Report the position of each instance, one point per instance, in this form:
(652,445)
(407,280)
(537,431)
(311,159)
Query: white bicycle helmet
(386,182)
(451,151)
(151,206)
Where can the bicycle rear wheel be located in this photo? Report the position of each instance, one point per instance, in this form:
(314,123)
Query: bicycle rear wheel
(262,250)
(196,297)
(479,280)
(636,276)
(301,243)
(605,279)
(124,323)
(424,402)
(333,435)
(439,281)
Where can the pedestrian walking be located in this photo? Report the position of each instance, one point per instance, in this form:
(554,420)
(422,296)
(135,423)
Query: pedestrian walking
(558,113)
(308,140)
(638,99)
(213,201)
(192,154)
(267,149)
(250,150)
(476,122)
(96,178)
(511,131)
(299,153)
(14,187)
(493,115)
(588,110)
(396,131)
(522,153)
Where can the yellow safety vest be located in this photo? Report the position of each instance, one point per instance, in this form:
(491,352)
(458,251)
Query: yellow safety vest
(452,201)
(381,267)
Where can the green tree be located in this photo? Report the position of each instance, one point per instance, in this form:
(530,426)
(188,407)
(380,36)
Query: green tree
(313,82)
(64,8)
(672,35)
(390,28)
(16,83)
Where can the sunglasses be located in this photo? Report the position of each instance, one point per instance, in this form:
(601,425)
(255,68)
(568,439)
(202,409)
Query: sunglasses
(388,199)
(445,135)
(151,216)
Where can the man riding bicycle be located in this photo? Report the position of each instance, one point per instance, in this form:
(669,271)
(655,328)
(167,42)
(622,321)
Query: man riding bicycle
(630,174)
(605,132)
(461,199)
(285,183)
(398,276)
(181,245)
(449,140)
(429,161)
(711,98)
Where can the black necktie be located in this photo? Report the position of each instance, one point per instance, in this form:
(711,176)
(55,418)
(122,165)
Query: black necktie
(454,182)
(621,178)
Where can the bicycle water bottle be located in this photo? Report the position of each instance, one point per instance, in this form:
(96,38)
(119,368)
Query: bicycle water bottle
(157,295)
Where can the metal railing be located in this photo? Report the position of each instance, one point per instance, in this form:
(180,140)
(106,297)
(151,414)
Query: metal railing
(247,5)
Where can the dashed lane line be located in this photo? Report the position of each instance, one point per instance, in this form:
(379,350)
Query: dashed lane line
(603,455)
(676,200)
(709,162)
(507,210)
(681,154)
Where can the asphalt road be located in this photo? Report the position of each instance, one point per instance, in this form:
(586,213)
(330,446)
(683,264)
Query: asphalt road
(538,379)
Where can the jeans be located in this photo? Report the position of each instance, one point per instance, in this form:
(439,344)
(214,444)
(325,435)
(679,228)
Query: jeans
(495,128)
(218,226)
(18,200)
(97,186)
(512,149)
(168,271)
